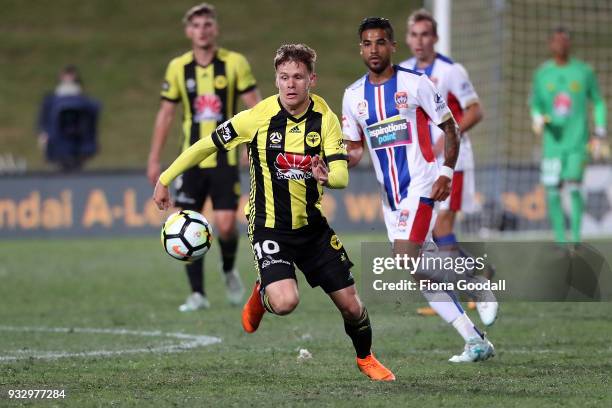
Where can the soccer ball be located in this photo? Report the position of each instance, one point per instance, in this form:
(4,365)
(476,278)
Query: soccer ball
(186,235)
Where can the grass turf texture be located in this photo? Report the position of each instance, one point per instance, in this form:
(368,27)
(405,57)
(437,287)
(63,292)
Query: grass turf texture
(548,354)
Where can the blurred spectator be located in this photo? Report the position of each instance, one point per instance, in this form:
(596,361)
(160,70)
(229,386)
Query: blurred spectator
(67,122)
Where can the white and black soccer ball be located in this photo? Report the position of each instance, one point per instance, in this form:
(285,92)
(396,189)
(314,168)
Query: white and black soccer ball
(186,235)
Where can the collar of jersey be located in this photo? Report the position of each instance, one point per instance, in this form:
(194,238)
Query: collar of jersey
(293,118)
(428,69)
(215,57)
(367,77)
(569,62)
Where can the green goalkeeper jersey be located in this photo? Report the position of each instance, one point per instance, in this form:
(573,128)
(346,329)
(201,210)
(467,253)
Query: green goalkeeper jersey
(560,95)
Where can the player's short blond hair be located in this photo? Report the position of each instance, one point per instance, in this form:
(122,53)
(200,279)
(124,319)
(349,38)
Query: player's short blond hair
(297,53)
(202,9)
(422,15)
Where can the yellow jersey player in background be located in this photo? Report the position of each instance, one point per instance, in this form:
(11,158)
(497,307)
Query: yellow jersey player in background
(292,137)
(207,81)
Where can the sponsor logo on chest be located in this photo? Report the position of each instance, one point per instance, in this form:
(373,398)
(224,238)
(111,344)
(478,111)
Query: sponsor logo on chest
(393,132)
(401,100)
(562,104)
(293,166)
(207,108)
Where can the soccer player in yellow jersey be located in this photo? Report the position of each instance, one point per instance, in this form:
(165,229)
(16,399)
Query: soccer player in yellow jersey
(295,149)
(207,81)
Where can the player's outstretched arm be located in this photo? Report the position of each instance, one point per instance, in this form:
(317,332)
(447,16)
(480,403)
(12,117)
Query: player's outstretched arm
(227,136)
(189,158)
(196,153)
(442,186)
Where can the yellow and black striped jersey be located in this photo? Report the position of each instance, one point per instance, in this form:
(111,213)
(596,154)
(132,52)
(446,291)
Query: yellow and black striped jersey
(284,194)
(209,95)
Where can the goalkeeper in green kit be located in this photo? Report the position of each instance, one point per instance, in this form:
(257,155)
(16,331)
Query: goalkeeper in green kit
(561,91)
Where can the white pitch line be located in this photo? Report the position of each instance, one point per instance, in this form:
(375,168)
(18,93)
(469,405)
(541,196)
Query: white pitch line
(189,341)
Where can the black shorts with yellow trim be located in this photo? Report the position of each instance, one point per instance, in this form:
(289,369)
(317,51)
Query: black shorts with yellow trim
(221,184)
(315,249)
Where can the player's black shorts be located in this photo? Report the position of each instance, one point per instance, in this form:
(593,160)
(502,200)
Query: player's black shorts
(222,184)
(315,249)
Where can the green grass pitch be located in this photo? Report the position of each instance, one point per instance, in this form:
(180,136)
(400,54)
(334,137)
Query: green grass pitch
(549,354)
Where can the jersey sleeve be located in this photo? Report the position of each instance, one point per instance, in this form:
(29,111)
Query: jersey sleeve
(333,145)
(461,86)
(338,175)
(599,105)
(245,80)
(170,87)
(350,126)
(535,99)
(332,142)
(227,136)
(193,155)
(239,129)
(431,101)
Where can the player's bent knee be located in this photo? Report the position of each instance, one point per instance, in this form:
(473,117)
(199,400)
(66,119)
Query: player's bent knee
(284,304)
(225,223)
(227,232)
(352,311)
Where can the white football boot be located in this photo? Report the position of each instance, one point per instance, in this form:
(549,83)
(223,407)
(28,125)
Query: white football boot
(487,312)
(234,286)
(195,301)
(476,349)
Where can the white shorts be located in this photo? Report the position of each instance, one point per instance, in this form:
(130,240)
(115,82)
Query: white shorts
(463,190)
(413,220)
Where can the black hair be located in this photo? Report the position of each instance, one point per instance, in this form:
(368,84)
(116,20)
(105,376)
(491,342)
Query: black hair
(562,30)
(370,23)
(72,69)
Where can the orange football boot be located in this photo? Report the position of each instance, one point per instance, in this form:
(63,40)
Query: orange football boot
(426,311)
(253,311)
(374,369)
